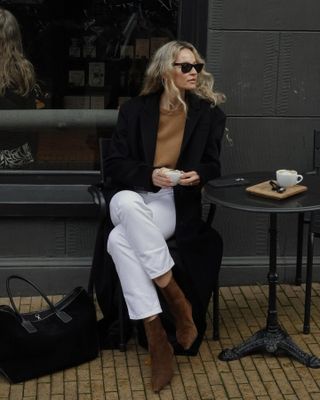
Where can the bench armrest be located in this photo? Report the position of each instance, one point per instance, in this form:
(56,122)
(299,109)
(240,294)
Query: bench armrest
(98,198)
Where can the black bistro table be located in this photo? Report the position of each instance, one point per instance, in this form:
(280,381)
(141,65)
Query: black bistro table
(273,338)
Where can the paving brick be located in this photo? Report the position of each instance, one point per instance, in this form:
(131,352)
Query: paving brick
(256,383)
(197,364)
(44,391)
(84,386)
(212,373)
(246,391)
(16,392)
(57,386)
(70,374)
(230,384)
(300,390)
(138,395)
(113,396)
(204,352)
(109,377)
(57,397)
(308,380)
(135,378)
(204,386)
(272,362)
(95,369)
(83,372)
(124,388)
(226,293)
(86,396)
(30,388)
(273,390)
(166,394)
(239,376)
(177,388)
(219,392)
(97,390)
(262,368)
(289,370)
(188,379)
(263,398)
(70,390)
(247,363)
(282,381)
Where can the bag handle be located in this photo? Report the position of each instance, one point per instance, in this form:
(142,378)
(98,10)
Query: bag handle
(27,324)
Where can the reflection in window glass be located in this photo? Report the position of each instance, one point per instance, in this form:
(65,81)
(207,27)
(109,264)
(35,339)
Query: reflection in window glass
(86,54)
(92,53)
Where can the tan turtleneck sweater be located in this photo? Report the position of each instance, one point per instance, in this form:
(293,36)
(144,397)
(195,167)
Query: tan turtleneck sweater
(169,138)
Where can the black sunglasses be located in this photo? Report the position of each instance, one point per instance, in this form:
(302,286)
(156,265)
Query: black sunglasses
(187,67)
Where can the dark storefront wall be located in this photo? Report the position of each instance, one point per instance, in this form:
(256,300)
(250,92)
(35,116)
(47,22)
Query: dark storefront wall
(265,56)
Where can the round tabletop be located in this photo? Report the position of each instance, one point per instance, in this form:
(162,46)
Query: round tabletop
(238,198)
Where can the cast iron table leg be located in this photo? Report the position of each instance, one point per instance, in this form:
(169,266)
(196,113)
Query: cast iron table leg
(299,249)
(272,339)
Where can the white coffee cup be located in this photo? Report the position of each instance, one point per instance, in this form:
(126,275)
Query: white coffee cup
(174,175)
(288,177)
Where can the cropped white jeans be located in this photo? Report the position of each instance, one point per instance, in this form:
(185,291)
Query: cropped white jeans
(137,244)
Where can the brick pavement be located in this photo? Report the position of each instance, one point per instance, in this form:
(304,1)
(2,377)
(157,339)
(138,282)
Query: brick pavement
(125,376)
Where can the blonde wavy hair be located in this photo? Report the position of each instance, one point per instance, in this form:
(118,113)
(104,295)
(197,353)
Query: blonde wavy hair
(16,72)
(159,76)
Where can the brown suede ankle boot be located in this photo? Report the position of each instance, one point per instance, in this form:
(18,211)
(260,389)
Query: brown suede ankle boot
(161,353)
(186,331)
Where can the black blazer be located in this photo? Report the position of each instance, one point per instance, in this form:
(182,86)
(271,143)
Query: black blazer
(130,166)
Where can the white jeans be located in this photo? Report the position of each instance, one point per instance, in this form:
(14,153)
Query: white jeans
(137,244)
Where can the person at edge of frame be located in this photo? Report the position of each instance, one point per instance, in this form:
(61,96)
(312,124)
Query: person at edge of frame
(18,89)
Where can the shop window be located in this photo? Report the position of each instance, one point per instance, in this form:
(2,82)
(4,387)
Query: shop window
(87,54)
(92,54)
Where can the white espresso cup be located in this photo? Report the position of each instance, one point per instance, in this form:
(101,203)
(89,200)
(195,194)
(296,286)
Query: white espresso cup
(288,177)
(174,175)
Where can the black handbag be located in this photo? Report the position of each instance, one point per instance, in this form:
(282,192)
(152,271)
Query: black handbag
(39,343)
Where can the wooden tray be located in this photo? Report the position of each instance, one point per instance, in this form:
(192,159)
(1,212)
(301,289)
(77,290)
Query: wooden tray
(264,189)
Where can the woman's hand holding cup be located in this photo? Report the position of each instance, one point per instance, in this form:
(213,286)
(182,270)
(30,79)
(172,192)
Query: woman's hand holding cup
(165,177)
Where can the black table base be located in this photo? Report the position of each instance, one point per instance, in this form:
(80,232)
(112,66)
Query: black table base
(275,342)
(273,339)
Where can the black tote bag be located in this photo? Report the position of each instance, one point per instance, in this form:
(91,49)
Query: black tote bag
(42,342)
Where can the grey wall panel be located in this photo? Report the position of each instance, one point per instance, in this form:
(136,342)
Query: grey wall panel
(47,237)
(27,237)
(299,72)
(245,234)
(239,232)
(80,237)
(264,14)
(245,65)
(55,275)
(269,144)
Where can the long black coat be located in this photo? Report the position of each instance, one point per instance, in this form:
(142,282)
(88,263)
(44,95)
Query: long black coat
(130,166)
